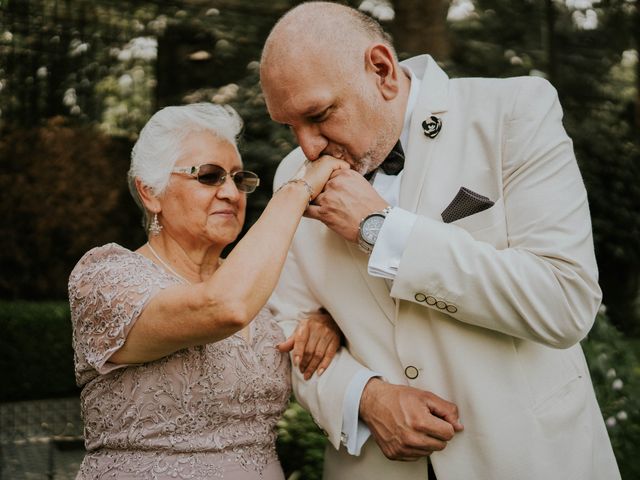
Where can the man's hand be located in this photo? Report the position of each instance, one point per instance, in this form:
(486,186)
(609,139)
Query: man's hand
(407,423)
(346,199)
(314,343)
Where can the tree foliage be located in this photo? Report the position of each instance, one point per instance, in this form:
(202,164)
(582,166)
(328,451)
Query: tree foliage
(64,191)
(111,63)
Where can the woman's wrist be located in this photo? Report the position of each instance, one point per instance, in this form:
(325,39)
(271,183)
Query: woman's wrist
(302,184)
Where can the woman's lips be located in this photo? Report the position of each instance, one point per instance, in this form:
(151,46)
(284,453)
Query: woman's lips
(225,213)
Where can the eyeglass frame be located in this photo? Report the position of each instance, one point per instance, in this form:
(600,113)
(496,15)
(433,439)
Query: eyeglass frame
(194,172)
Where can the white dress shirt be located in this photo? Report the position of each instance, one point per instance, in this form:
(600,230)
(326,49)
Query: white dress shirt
(383,262)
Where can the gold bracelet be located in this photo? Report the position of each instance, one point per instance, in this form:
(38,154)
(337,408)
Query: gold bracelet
(298,180)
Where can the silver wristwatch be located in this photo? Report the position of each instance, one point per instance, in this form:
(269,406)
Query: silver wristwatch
(370,228)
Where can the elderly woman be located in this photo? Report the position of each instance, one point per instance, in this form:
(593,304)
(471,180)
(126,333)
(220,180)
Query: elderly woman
(173,348)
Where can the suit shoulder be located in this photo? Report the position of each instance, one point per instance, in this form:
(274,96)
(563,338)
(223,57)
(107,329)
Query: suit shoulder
(512,97)
(509,87)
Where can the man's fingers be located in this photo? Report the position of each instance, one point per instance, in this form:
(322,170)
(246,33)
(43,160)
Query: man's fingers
(411,446)
(435,427)
(313,211)
(445,410)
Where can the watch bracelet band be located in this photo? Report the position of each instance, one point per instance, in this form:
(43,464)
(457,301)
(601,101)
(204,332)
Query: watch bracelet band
(365,246)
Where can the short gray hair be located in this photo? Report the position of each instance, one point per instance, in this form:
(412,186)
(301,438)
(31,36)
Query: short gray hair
(160,143)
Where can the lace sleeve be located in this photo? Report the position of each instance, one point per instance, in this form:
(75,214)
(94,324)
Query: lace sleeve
(108,289)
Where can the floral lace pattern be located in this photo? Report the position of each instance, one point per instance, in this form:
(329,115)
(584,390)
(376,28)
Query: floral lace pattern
(198,413)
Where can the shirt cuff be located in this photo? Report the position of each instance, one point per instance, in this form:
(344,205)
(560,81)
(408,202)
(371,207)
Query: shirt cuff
(354,431)
(391,242)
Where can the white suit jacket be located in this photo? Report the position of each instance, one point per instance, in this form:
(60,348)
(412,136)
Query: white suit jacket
(515,289)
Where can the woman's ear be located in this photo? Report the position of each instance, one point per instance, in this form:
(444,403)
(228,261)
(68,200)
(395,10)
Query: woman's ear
(380,60)
(148,198)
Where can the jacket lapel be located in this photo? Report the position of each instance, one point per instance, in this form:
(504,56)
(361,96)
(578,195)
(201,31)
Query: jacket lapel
(432,100)
(377,286)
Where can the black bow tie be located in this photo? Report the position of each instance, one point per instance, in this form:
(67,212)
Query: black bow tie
(393,164)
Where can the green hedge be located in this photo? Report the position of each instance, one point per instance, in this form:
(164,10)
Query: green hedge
(36,359)
(36,356)
(615,371)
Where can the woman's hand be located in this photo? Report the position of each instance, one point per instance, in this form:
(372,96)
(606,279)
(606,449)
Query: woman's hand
(318,172)
(314,343)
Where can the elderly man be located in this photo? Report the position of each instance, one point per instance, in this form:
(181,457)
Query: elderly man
(456,255)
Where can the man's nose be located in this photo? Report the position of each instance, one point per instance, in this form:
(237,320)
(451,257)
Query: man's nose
(311,141)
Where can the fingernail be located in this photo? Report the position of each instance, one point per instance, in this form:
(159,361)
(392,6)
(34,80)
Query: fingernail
(296,360)
(320,371)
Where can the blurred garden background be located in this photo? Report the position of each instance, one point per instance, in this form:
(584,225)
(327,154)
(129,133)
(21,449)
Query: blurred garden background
(79,78)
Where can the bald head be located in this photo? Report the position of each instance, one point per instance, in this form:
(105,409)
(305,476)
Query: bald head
(329,72)
(325,28)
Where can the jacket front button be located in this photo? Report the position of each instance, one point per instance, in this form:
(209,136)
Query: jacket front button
(411,372)
(420,297)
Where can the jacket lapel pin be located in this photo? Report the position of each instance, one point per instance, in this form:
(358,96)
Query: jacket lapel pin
(432,126)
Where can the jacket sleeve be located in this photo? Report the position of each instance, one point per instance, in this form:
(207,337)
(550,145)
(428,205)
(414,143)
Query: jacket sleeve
(543,286)
(322,396)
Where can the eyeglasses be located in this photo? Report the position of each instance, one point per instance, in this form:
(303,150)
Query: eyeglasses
(215,175)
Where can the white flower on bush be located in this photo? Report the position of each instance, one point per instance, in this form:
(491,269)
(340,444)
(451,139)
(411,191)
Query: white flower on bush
(617,384)
(611,422)
(70,98)
(611,373)
(380,9)
(603,309)
(622,415)
(125,82)
(226,94)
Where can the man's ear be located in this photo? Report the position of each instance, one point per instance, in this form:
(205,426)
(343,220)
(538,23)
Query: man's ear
(380,60)
(148,198)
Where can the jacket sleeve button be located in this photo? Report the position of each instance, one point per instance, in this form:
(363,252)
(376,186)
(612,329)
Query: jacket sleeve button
(411,372)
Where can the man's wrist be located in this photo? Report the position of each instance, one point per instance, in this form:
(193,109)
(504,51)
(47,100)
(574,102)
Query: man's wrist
(368,396)
(369,229)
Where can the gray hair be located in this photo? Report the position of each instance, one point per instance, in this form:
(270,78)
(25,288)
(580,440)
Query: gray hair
(160,143)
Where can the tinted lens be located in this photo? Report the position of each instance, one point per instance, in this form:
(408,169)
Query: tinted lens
(246,181)
(211,174)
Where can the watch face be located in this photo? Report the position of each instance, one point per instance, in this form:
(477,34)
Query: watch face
(371,227)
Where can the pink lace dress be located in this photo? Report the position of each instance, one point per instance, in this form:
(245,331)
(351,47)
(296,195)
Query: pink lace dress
(203,412)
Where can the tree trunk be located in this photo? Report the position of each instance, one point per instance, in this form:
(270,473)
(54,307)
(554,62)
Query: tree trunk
(637,39)
(420,26)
